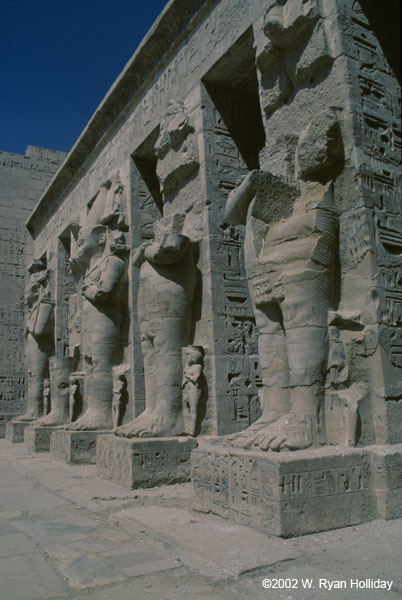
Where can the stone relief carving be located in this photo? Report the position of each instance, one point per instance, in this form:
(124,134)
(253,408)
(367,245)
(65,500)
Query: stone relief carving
(101,320)
(39,343)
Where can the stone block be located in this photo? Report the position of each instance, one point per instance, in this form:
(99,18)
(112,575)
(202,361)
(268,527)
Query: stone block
(286,494)
(37,439)
(74,447)
(4,418)
(15,431)
(144,463)
(386,469)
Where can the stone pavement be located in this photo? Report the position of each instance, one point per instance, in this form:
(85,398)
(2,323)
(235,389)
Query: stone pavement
(66,534)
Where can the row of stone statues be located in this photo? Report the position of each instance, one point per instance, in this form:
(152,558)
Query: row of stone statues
(290,246)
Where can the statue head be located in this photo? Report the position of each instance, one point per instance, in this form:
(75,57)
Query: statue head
(90,242)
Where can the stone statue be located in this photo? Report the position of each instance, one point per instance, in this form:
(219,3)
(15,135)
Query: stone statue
(192,390)
(115,202)
(175,148)
(290,250)
(167,282)
(60,368)
(46,397)
(288,265)
(101,320)
(39,341)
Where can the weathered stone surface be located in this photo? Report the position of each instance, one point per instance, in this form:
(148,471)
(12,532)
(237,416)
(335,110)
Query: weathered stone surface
(15,431)
(74,447)
(144,463)
(4,418)
(294,494)
(223,250)
(37,439)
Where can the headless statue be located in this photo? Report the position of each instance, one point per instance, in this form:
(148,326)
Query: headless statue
(288,265)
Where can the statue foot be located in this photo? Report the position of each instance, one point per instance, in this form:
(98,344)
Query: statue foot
(151,424)
(90,421)
(289,432)
(53,419)
(30,415)
(246,438)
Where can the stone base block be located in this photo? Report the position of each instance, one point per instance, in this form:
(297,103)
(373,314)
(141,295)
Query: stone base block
(75,447)
(4,418)
(37,439)
(286,494)
(15,431)
(144,463)
(386,469)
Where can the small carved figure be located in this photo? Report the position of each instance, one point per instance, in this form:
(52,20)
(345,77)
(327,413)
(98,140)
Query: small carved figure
(60,368)
(114,210)
(119,399)
(46,397)
(101,319)
(38,337)
(74,397)
(167,282)
(192,390)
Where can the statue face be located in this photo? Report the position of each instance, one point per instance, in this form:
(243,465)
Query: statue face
(87,246)
(32,292)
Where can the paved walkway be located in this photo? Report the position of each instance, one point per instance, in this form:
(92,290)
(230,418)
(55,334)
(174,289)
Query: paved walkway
(66,534)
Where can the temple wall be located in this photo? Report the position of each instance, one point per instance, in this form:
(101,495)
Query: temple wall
(23,180)
(249,99)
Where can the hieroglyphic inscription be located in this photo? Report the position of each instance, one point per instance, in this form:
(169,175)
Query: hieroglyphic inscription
(394,473)
(323,482)
(12,392)
(163,458)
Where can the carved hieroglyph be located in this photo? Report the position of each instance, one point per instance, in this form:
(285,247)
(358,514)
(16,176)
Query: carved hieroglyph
(101,321)
(38,336)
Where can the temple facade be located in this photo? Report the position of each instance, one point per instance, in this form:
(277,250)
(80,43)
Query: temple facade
(219,258)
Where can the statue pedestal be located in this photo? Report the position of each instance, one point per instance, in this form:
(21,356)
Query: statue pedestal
(4,418)
(15,431)
(75,447)
(144,463)
(295,493)
(37,439)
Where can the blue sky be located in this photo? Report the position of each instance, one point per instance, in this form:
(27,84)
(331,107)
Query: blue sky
(58,60)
